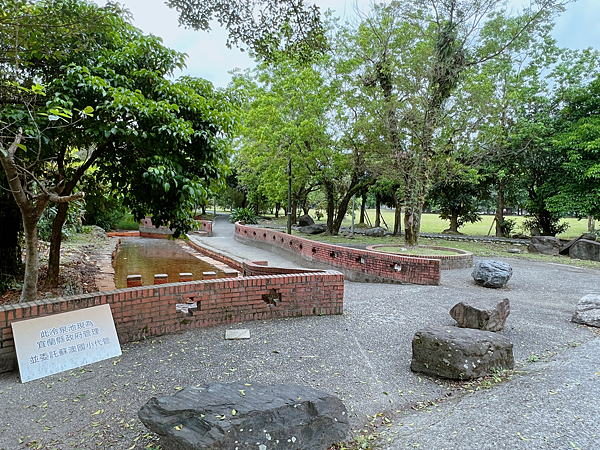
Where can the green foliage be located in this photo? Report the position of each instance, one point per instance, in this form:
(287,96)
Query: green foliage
(548,225)
(267,27)
(245,214)
(507,226)
(72,225)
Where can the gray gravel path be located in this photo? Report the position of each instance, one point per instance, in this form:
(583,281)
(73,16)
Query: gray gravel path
(362,356)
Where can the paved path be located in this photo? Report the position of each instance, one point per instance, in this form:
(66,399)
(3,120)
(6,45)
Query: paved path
(362,356)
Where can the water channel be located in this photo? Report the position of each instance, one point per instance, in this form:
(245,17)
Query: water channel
(147,257)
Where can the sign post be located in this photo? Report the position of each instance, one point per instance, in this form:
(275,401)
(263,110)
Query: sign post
(59,342)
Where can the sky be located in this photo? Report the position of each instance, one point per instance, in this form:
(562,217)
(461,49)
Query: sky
(209,58)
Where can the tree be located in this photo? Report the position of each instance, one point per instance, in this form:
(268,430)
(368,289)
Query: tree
(266,27)
(579,144)
(457,200)
(159,142)
(31,34)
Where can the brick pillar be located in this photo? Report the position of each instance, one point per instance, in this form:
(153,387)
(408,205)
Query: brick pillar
(134,280)
(185,277)
(209,275)
(161,278)
(230,273)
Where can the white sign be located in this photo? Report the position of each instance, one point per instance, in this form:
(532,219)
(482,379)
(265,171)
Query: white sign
(53,344)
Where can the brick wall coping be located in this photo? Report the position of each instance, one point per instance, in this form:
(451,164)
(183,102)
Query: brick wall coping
(146,311)
(461,260)
(356,264)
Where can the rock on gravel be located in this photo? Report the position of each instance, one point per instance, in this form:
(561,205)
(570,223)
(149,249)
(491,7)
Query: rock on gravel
(492,274)
(460,353)
(588,310)
(481,314)
(237,415)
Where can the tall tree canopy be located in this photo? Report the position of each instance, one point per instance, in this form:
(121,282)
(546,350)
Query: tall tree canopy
(159,142)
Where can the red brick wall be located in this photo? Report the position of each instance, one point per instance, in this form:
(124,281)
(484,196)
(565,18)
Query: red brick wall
(364,265)
(233,263)
(256,268)
(150,310)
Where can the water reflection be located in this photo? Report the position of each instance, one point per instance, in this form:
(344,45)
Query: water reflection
(147,257)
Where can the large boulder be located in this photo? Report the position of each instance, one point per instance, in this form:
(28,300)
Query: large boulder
(492,274)
(375,232)
(460,353)
(305,221)
(564,250)
(588,310)
(546,245)
(481,314)
(313,229)
(584,249)
(259,417)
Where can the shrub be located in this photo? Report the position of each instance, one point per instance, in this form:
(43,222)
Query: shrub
(72,225)
(245,214)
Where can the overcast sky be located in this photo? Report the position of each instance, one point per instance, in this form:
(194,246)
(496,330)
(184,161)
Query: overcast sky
(209,58)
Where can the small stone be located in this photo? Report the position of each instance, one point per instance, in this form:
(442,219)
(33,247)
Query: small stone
(513,250)
(492,274)
(588,310)
(481,314)
(237,334)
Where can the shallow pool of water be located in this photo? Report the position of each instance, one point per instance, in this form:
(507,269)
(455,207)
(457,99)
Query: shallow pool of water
(147,257)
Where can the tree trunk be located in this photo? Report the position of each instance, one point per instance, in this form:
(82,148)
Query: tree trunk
(377,212)
(294,212)
(591,224)
(397,215)
(330,211)
(363,208)
(398,221)
(412,224)
(500,208)
(454,222)
(277,206)
(55,243)
(29,292)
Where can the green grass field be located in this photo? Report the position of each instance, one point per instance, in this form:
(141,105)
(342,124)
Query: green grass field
(431,223)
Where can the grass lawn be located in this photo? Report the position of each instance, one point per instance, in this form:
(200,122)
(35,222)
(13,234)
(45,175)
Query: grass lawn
(431,223)
(423,251)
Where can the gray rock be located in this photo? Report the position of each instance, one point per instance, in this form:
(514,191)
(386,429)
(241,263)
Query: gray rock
(588,310)
(313,229)
(305,221)
(513,250)
(257,417)
(546,245)
(375,232)
(584,249)
(481,314)
(564,250)
(460,353)
(492,274)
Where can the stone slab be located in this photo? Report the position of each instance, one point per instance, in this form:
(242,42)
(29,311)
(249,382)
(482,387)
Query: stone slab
(237,334)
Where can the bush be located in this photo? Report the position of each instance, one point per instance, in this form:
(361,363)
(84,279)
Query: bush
(245,214)
(549,227)
(72,225)
(507,226)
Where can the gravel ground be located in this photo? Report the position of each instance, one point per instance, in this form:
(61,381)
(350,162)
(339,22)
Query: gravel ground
(362,356)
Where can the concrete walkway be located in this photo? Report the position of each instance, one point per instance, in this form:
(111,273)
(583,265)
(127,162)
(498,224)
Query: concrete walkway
(362,356)
(222,241)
